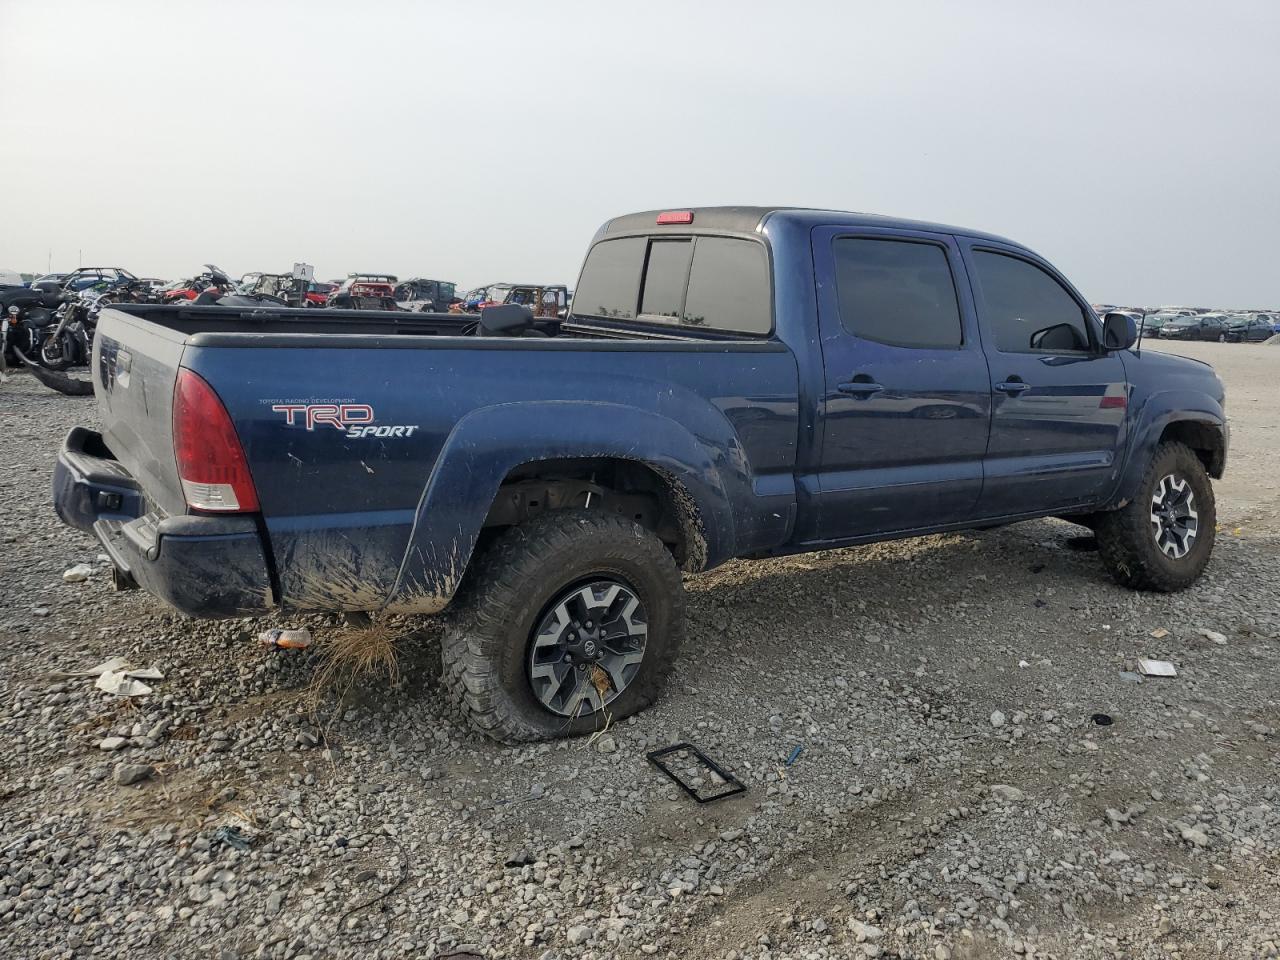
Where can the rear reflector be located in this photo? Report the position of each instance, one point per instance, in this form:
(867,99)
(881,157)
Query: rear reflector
(1114,403)
(211,463)
(675,216)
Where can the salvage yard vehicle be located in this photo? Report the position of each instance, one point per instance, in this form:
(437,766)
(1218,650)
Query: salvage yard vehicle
(428,295)
(1244,329)
(1205,326)
(730,382)
(365,291)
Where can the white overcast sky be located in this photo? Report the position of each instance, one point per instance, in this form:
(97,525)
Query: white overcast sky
(1135,144)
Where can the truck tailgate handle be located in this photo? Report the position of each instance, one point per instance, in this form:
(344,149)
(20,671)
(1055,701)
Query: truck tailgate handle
(1013,387)
(860,386)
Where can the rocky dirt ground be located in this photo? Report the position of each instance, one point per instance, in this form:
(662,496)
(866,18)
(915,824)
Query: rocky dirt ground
(954,796)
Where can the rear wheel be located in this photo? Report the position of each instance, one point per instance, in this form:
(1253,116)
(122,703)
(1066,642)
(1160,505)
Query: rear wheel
(1163,538)
(569,621)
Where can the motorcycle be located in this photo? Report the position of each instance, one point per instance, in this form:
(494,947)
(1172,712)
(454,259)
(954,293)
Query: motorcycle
(25,319)
(70,342)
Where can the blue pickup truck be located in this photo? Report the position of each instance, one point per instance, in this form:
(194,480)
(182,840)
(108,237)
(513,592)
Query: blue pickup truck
(729,382)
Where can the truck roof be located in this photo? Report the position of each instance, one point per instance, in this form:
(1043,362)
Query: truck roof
(747,220)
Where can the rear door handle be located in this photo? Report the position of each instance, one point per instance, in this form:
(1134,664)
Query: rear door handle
(1013,388)
(860,386)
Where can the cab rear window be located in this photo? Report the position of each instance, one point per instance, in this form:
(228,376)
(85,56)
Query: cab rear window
(707,283)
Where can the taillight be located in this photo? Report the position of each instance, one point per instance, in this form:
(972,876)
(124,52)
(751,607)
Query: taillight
(211,463)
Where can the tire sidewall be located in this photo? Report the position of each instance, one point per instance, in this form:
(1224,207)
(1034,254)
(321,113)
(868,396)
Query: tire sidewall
(1181,462)
(633,557)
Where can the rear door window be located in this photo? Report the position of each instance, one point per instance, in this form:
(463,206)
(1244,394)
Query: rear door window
(897,292)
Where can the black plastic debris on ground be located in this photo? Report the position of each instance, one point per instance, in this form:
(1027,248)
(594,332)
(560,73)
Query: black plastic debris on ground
(1101,720)
(232,837)
(667,758)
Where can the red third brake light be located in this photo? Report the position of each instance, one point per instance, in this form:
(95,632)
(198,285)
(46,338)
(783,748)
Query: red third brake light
(675,216)
(211,463)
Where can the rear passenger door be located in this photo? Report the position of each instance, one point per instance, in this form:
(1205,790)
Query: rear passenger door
(1059,400)
(906,395)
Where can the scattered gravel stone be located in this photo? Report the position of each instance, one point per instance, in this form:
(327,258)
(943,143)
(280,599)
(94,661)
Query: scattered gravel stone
(997,719)
(898,833)
(129,773)
(78,573)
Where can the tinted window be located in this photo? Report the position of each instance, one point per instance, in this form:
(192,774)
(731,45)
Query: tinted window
(665,277)
(729,286)
(610,282)
(1026,308)
(897,292)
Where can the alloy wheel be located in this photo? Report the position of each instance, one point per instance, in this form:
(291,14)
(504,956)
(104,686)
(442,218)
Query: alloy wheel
(587,648)
(1174,520)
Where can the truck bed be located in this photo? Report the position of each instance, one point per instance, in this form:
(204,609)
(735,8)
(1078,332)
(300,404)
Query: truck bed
(383,512)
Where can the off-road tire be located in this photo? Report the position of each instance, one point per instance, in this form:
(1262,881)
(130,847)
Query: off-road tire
(1127,544)
(486,640)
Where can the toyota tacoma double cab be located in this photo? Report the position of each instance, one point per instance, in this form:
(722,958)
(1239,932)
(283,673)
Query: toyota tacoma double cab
(729,382)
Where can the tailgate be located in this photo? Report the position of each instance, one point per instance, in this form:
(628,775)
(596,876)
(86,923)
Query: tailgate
(135,365)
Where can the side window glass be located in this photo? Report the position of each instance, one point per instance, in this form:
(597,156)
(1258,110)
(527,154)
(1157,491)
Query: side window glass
(897,292)
(1026,308)
(665,277)
(610,281)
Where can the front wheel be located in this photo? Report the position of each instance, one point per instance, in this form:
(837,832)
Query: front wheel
(1222,338)
(569,622)
(54,354)
(1162,539)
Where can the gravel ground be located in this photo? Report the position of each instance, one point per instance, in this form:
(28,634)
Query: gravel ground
(953,797)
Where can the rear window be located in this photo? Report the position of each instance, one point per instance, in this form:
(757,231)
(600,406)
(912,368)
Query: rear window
(729,286)
(665,277)
(713,283)
(610,281)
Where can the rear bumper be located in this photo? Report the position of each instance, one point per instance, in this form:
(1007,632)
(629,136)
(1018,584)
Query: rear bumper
(204,566)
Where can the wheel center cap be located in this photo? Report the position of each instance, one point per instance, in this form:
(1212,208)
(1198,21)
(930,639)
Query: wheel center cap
(589,647)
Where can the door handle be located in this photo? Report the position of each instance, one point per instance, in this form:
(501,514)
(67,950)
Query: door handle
(860,386)
(1013,387)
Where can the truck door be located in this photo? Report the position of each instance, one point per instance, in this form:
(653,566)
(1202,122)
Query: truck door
(1058,400)
(906,402)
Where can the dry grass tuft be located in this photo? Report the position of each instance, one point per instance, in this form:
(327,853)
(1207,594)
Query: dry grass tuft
(355,654)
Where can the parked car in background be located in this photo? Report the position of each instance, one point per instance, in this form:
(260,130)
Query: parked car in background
(50,281)
(178,290)
(318,292)
(1153,322)
(83,278)
(427,295)
(1243,329)
(282,286)
(549,301)
(365,291)
(1205,326)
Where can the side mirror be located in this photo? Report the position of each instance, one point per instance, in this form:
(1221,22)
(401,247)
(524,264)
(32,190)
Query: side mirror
(1119,331)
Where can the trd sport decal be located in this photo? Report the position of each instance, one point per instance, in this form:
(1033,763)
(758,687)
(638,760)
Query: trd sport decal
(353,419)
